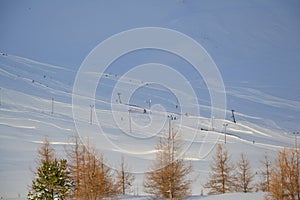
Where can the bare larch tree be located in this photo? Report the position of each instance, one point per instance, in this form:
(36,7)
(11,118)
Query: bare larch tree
(124,179)
(168,176)
(244,175)
(221,178)
(284,176)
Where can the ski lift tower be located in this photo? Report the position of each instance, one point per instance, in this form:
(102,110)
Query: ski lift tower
(296,133)
(232,116)
(225,126)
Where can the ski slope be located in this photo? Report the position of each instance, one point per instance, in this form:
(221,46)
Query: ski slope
(255,45)
(26,118)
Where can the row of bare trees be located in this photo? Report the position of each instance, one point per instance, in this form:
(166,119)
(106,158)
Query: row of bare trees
(85,176)
(91,179)
(284,176)
(85,172)
(226,176)
(279,179)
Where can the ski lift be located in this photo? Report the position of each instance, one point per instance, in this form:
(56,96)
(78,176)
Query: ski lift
(232,116)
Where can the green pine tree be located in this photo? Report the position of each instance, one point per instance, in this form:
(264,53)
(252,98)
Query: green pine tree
(52,181)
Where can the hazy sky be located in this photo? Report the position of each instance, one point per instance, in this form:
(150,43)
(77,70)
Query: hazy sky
(256,42)
(63,32)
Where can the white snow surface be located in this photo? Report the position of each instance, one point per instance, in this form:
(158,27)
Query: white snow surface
(264,119)
(26,119)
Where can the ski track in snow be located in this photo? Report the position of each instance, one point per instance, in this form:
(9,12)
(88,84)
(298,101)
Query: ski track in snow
(17,126)
(27,87)
(257,96)
(34,113)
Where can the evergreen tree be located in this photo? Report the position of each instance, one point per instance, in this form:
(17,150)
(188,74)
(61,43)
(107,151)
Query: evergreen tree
(52,181)
(52,177)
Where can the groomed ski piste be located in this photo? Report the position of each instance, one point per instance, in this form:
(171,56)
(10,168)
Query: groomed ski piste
(27,117)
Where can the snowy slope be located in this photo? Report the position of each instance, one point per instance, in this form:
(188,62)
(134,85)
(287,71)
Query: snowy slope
(26,119)
(255,45)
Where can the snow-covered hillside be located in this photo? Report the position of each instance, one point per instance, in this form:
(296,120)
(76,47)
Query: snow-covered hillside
(255,45)
(26,106)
